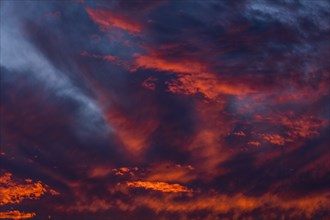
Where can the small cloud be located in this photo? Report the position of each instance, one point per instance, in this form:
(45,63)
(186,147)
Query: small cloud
(168,172)
(239,133)
(150,83)
(159,186)
(99,171)
(274,138)
(254,143)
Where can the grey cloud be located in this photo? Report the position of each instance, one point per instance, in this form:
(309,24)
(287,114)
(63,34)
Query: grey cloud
(291,12)
(19,55)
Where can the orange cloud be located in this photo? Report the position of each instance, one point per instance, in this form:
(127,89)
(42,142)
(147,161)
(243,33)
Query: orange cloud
(99,171)
(173,201)
(193,77)
(239,204)
(125,170)
(12,192)
(108,19)
(207,146)
(254,143)
(159,64)
(207,150)
(16,215)
(274,138)
(305,126)
(207,84)
(159,186)
(167,172)
(295,127)
(134,136)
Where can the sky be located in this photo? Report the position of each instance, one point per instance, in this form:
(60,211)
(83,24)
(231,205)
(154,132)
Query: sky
(164,109)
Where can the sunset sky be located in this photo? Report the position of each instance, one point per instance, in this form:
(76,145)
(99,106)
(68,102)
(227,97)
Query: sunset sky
(165,109)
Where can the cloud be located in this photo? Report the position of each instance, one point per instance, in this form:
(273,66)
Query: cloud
(239,133)
(16,215)
(208,85)
(19,56)
(239,204)
(150,83)
(193,77)
(274,139)
(99,171)
(305,126)
(177,199)
(13,192)
(168,172)
(254,143)
(108,19)
(132,135)
(165,109)
(178,66)
(159,186)
(289,12)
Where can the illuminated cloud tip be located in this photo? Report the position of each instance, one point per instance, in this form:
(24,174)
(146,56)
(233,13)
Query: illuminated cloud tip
(159,64)
(159,186)
(16,215)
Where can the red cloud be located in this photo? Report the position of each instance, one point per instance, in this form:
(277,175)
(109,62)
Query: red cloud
(168,172)
(178,66)
(108,19)
(150,83)
(239,133)
(134,136)
(305,126)
(295,127)
(193,77)
(274,138)
(254,143)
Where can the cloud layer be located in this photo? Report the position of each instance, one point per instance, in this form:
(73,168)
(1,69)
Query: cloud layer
(165,109)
